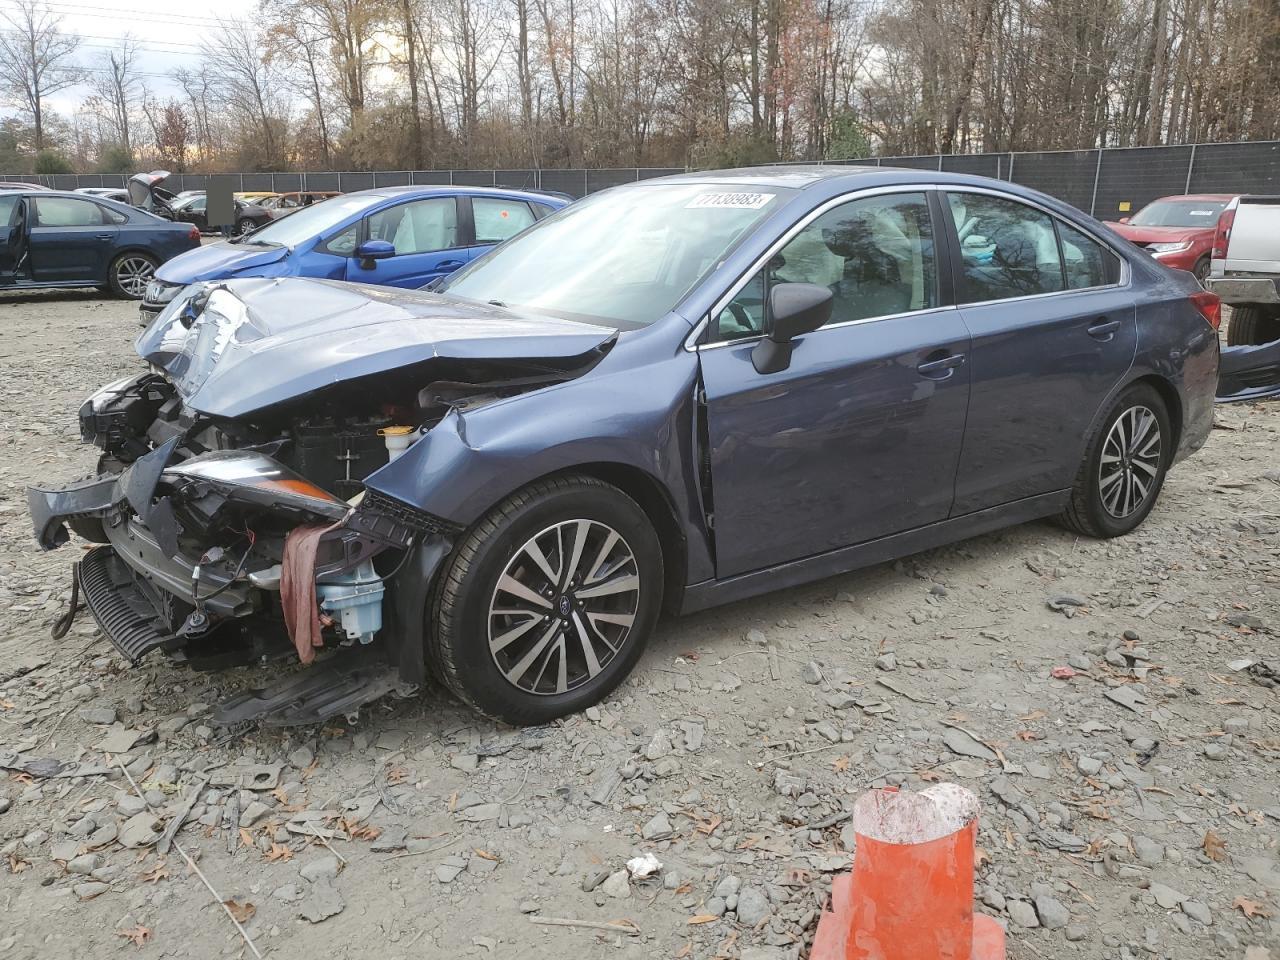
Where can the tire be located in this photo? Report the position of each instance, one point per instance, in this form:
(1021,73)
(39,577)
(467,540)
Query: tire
(1252,325)
(543,671)
(1201,269)
(1091,511)
(245,226)
(130,273)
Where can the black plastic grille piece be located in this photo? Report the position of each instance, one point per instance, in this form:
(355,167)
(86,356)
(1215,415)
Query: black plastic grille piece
(411,516)
(120,607)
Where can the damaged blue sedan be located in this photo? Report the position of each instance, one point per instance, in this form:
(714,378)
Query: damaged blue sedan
(668,396)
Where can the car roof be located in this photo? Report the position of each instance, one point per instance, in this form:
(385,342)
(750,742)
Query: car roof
(1224,197)
(455,190)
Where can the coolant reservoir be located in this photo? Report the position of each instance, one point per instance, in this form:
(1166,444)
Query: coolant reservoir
(397,440)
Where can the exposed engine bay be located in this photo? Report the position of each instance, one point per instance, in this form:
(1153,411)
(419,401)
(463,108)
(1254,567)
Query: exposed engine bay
(231,539)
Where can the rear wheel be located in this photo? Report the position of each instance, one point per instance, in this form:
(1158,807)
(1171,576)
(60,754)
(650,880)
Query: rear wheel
(547,602)
(1252,325)
(130,273)
(245,226)
(1124,467)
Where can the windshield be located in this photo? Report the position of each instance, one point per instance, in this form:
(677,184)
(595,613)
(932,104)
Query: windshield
(623,256)
(314,220)
(1179,213)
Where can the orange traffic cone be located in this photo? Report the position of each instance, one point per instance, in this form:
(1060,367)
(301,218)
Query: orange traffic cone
(910,896)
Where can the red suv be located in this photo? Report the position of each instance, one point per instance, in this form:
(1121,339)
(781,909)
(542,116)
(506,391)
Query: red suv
(1177,231)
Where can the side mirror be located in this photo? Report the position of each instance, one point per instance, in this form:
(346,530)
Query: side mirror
(794,310)
(372,250)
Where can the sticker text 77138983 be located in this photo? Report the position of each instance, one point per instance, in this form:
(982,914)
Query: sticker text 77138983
(733,201)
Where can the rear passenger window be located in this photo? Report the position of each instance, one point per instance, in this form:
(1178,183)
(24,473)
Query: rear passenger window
(875,254)
(1087,262)
(1007,249)
(498,219)
(67,212)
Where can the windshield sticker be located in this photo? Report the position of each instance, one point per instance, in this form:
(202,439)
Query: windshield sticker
(732,201)
(1202,213)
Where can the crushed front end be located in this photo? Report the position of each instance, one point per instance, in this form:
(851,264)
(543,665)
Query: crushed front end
(229,532)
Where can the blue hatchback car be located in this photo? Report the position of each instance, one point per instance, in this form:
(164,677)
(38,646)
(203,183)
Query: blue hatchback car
(52,238)
(396,236)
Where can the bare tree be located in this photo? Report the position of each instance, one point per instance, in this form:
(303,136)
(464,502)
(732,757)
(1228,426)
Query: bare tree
(117,81)
(243,74)
(36,60)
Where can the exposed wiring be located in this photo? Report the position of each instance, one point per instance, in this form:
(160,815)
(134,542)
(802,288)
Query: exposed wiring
(387,579)
(244,558)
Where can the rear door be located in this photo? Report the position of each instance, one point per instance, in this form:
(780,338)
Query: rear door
(496,219)
(1054,333)
(71,238)
(428,240)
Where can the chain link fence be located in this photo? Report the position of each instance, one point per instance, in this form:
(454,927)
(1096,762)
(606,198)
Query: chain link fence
(1107,183)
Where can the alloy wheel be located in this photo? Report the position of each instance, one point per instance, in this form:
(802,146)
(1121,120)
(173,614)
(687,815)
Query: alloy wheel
(1130,462)
(133,274)
(563,607)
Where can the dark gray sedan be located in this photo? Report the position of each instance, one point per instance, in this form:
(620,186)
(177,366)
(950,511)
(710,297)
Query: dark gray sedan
(52,238)
(667,396)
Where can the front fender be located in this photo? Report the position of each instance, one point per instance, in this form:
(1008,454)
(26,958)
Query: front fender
(638,417)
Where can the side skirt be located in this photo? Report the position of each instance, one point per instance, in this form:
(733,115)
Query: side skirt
(711,593)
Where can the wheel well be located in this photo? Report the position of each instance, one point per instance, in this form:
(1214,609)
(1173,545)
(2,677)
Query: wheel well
(1172,402)
(656,503)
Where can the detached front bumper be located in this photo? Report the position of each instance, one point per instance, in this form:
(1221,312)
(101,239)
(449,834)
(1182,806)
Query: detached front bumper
(1249,373)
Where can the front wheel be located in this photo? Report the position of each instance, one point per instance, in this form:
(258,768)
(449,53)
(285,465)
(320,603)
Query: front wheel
(548,601)
(1124,466)
(1201,270)
(130,273)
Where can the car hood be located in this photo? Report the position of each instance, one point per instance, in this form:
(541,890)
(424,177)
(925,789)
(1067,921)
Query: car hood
(238,347)
(219,261)
(1137,234)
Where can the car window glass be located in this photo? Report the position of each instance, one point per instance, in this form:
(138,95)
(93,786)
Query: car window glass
(1087,262)
(199,204)
(875,254)
(344,243)
(67,212)
(113,216)
(498,219)
(1007,249)
(8,204)
(418,227)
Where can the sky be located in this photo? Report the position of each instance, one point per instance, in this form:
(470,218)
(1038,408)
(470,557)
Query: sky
(169,32)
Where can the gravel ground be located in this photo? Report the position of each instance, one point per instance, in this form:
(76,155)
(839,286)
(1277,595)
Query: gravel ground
(1129,810)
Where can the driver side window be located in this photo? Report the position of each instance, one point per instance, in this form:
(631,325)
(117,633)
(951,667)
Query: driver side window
(875,254)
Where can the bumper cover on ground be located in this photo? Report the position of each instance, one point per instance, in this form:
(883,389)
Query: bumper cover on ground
(1249,372)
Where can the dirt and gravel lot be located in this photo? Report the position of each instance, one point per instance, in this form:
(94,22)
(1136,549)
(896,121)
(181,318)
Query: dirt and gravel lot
(1130,810)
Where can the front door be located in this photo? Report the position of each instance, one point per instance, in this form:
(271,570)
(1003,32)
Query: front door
(1053,334)
(13,237)
(70,239)
(859,437)
(427,239)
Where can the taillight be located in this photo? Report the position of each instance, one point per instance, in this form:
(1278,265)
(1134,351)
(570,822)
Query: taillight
(1209,305)
(195,234)
(1225,222)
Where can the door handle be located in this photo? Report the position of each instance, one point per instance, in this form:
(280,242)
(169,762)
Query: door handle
(1104,329)
(450,264)
(940,368)
(105,236)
